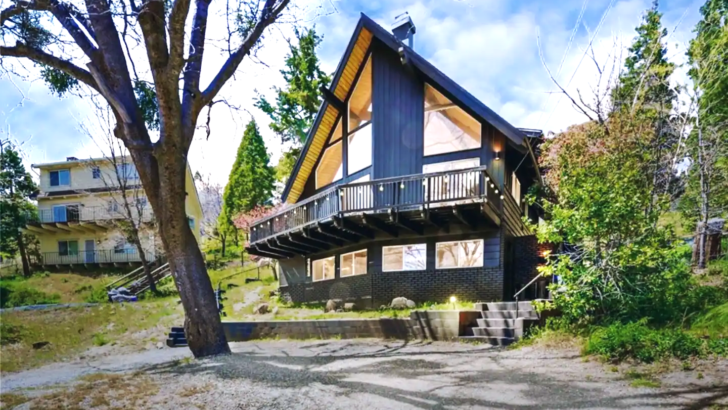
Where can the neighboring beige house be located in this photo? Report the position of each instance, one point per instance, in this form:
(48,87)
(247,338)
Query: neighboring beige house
(80,206)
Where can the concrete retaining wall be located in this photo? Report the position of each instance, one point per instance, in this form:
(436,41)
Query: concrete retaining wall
(434,325)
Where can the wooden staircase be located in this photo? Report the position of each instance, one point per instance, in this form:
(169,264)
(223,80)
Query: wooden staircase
(136,281)
(502,323)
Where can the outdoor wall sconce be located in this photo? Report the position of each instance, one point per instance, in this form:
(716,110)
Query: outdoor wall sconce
(497,155)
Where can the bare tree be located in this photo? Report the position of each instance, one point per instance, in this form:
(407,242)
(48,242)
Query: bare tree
(81,43)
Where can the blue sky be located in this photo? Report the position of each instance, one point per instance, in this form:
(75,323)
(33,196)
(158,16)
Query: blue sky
(488,46)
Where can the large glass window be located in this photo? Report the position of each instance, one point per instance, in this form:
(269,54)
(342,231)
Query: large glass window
(66,248)
(323,269)
(60,178)
(516,188)
(360,117)
(460,254)
(447,127)
(330,168)
(354,263)
(405,257)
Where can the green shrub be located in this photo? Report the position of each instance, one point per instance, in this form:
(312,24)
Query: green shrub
(13,294)
(97,295)
(636,340)
(10,334)
(100,339)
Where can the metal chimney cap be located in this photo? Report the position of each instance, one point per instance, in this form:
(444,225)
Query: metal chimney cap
(404,19)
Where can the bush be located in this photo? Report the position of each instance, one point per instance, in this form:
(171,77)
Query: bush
(10,334)
(100,339)
(636,340)
(97,295)
(19,294)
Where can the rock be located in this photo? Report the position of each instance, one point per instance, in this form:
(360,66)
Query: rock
(383,307)
(110,326)
(272,293)
(348,307)
(398,303)
(330,306)
(160,345)
(339,310)
(411,304)
(40,345)
(261,309)
(275,311)
(238,307)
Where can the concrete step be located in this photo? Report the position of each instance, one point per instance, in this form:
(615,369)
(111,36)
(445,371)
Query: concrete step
(498,306)
(495,341)
(178,329)
(176,335)
(509,314)
(176,342)
(496,322)
(497,332)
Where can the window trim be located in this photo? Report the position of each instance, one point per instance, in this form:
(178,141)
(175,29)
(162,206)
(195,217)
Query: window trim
(403,268)
(313,276)
(341,263)
(482,259)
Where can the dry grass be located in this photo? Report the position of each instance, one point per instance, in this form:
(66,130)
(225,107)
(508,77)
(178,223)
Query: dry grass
(11,400)
(71,287)
(71,331)
(190,391)
(108,391)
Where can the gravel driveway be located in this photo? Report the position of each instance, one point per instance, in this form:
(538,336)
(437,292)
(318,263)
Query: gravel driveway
(373,374)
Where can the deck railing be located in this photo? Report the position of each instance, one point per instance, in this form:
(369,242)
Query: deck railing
(399,193)
(126,255)
(91,214)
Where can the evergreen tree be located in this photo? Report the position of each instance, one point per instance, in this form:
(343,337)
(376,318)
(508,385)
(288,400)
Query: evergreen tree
(706,193)
(296,104)
(251,179)
(646,79)
(16,187)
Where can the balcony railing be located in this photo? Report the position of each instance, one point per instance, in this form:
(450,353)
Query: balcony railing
(125,255)
(91,214)
(398,193)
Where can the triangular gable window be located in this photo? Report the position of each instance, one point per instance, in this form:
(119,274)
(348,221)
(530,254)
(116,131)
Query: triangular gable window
(330,168)
(360,122)
(447,127)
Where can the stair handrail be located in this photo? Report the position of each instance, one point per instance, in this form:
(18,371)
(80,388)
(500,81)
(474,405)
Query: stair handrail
(524,288)
(134,272)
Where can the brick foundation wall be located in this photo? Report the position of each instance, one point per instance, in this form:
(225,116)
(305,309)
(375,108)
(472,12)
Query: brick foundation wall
(526,259)
(356,289)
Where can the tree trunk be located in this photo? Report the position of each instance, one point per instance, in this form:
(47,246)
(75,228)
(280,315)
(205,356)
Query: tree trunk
(224,241)
(145,265)
(203,328)
(704,204)
(23,255)
(273,267)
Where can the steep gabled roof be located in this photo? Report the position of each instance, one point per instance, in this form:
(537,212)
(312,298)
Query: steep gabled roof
(366,30)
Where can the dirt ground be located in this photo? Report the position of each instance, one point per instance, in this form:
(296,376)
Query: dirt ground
(363,374)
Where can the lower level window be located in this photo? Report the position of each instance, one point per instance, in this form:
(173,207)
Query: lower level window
(405,257)
(124,247)
(460,254)
(354,263)
(66,248)
(323,269)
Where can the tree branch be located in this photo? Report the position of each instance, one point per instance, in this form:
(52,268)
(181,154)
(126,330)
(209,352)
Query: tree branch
(177,19)
(152,21)
(268,17)
(39,56)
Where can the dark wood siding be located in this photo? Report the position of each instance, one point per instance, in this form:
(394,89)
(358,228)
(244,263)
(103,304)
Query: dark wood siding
(397,117)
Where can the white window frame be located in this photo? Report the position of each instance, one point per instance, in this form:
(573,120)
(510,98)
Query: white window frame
(516,188)
(402,247)
(313,275)
(353,265)
(482,262)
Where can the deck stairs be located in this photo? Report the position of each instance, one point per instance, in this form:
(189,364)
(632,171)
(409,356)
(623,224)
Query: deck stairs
(136,281)
(502,323)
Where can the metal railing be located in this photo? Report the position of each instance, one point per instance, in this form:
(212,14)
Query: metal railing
(125,255)
(91,214)
(399,193)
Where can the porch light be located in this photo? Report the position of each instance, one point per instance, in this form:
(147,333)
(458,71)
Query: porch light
(285,216)
(401,185)
(492,186)
(496,191)
(327,198)
(501,197)
(341,193)
(381,188)
(294,212)
(497,155)
(304,208)
(487,179)
(453,299)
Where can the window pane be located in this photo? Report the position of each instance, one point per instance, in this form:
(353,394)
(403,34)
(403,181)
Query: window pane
(329,269)
(54,178)
(360,149)
(96,172)
(347,262)
(470,253)
(516,188)
(73,247)
(391,258)
(415,257)
(63,248)
(360,262)
(337,131)
(447,255)
(360,103)
(318,270)
(329,169)
(64,177)
(447,127)
(323,269)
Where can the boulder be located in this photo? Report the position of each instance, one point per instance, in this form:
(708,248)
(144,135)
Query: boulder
(275,311)
(398,303)
(348,307)
(330,306)
(40,345)
(261,309)
(411,304)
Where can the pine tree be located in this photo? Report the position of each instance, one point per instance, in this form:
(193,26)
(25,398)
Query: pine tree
(251,179)
(646,79)
(16,187)
(298,102)
(706,193)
